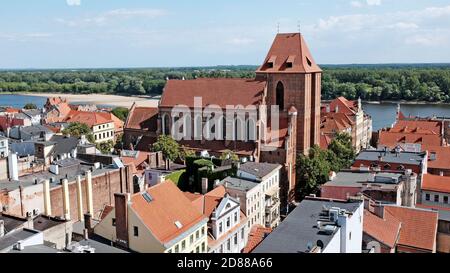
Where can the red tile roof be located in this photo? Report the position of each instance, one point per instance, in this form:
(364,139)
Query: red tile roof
(89,118)
(143,118)
(427,125)
(139,162)
(386,230)
(335,122)
(168,206)
(393,139)
(436,183)
(255,237)
(439,157)
(289,47)
(325,141)
(221,92)
(419,227)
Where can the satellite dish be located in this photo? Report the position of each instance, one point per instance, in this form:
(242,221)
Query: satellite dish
(320,244)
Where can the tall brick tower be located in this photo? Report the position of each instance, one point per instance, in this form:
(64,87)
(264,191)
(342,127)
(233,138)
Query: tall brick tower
(294,79)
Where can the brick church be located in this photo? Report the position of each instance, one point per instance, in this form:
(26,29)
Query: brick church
(289,78)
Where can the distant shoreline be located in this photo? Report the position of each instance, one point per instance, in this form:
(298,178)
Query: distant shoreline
(400,102)
(97,99)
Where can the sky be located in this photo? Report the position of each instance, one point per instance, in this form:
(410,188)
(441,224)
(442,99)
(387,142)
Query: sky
(175,33)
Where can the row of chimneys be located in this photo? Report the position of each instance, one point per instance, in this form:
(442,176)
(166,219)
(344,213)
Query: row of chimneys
(66,199)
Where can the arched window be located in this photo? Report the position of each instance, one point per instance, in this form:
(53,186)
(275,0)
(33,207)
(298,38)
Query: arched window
(166,124)
(251,130)
(280,95)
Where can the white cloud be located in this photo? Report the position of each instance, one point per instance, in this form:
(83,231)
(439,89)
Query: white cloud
(373,2)
(360,4)
(113,16)
(73,2)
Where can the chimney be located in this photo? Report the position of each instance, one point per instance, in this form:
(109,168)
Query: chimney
(90,203)
(121,211)
(47,202)
(66,201)
(88,223)
(79,198)
(379,210)
(2,228)
(204,185)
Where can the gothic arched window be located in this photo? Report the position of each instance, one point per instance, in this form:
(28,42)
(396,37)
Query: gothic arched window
(280,95)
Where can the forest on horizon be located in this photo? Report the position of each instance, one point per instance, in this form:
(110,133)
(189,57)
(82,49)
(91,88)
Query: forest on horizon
(412,82)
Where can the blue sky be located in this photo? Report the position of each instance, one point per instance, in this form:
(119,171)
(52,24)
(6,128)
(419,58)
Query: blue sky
(154,33)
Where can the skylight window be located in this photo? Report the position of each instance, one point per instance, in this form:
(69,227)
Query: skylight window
(147,197)
(178,224)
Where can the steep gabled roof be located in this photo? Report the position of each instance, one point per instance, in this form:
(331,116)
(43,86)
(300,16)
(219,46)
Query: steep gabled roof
(143,118)
(221,92)
(289,48)
(168,206)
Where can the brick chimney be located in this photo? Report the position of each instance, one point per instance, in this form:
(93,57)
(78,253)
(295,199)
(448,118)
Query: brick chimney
(204,185)
(121,211)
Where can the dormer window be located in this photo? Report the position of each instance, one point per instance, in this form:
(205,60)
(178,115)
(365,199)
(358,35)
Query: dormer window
(308,61)
(271,61)
(290,62)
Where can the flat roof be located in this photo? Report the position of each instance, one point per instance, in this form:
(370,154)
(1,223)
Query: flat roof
(239,184)
(392,157)
(260,170)
(358,178)
(300,229)
(10,239)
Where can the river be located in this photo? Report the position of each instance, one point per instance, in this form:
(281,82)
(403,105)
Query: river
(383,115)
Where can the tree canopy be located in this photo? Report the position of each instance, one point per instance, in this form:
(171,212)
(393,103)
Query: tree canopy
(314,170)
(77,129)
(168,146)
(30,106)
(121,113)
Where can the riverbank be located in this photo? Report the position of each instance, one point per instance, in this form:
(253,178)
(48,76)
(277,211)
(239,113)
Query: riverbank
(404,102)
(101,99)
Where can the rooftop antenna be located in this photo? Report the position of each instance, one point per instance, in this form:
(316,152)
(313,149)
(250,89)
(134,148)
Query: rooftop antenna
(278,27)
(298,26)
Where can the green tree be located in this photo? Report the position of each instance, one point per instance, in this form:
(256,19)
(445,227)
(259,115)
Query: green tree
(341,152)
(169,148)
(121,112)
(312,171)
(105,147)
(30,106)
(228,154)
(77,129)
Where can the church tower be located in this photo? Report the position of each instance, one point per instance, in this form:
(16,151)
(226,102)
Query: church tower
(294,79)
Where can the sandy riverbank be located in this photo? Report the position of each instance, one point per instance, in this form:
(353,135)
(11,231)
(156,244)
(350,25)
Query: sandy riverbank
(101,99)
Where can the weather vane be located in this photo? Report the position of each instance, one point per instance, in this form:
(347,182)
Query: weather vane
(298,26)
(278,27)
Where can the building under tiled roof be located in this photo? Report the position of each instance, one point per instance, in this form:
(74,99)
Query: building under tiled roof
(385,230)
(436,183)
(221,92)
(168,206)
(289,54)
(143,118)
(419,227)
